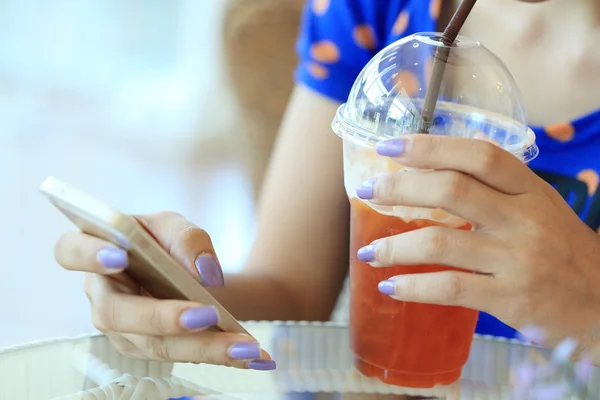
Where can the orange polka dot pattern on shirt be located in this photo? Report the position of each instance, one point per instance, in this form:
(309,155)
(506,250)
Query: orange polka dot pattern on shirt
(320,7)
(590,178)
(317,71)
(401,23)
(435,9)
(563,132)
(408,81)
(325,52)
(364,36)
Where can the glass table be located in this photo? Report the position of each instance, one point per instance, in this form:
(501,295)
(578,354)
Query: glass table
(313,359)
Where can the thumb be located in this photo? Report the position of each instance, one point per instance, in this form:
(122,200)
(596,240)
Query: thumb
(189,245)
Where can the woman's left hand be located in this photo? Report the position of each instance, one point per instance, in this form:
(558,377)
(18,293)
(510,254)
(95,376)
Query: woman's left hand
(535,261)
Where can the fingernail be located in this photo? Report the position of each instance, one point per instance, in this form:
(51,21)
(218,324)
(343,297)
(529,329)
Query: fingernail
(390,148)
(199,317)
(366,254)
(564,350)
(209,270)
(386,287)
(262,365)
(245,351)
(584,368)
(532,333)
(365,190)
(112,257)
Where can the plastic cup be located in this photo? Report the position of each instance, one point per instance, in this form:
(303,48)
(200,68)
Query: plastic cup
(409,344)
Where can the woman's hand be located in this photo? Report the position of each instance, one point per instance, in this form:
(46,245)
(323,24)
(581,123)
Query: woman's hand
(163,330)
(535,262)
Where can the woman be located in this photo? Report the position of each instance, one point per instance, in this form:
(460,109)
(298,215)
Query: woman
(542,262)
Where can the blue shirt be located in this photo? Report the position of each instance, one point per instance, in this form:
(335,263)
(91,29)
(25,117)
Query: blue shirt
(339,37)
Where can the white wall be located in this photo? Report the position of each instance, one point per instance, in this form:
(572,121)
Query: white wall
(144,60)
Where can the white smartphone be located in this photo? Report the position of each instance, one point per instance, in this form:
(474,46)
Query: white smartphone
(149,264)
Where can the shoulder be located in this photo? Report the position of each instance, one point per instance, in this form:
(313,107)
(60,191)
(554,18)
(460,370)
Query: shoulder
(338,37)
(366,23)
(373,23)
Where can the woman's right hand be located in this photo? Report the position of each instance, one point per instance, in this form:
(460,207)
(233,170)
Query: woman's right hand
(144,327)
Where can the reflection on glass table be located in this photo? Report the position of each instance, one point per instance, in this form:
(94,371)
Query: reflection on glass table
(314,363)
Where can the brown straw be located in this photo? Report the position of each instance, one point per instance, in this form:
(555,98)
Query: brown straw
(439,63)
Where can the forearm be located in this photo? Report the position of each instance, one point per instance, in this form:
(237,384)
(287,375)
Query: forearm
(254,297)
(298,263)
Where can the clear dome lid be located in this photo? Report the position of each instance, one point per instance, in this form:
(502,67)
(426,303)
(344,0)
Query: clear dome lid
(478,97)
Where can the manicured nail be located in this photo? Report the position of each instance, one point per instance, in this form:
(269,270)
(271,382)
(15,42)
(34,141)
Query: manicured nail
(365,190)
(532,333)
(366,254)
(262,365)
(199,317)
(564,350)
(210,270)
(245,351)
(386,287)
(390,148)
(525,374)
(112,257)
(584,368)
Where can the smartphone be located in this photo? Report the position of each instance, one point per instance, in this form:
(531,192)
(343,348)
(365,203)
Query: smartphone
(149,264)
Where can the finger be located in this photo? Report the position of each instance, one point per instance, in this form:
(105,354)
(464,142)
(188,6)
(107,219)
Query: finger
(187,244)
(452,191)
(448,288)
(78,251)
(208,347)
(118,283)
(487,162)
(123,345)
(116,310)
(433,245)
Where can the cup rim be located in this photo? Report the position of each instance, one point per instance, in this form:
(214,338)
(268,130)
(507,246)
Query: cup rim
(526,149)
(461,41)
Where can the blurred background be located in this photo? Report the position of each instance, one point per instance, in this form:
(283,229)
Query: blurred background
(146,104)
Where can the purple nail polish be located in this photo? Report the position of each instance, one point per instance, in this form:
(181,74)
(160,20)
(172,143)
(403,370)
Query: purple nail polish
(386,287)
(262,365)
(551,391)
(365,190)
(210,270)
(390,148)
(245,351)
(525,375)
(366,254)
(564,350)
(112,257)
(583,369)
(532,333)
(199,317)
